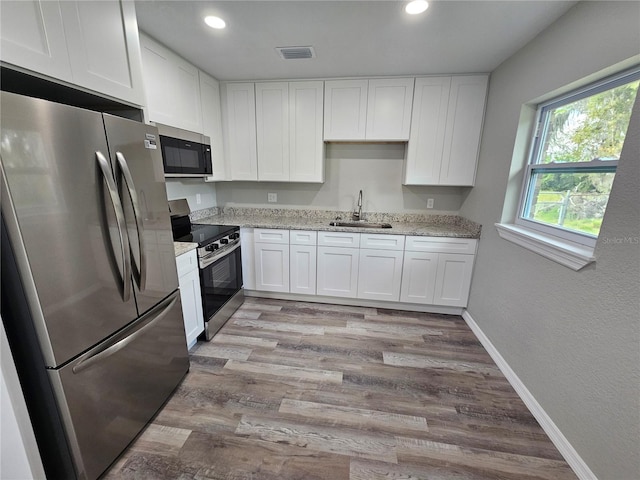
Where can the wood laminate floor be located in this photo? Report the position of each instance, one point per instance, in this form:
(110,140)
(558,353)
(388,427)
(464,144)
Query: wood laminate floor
(292,390)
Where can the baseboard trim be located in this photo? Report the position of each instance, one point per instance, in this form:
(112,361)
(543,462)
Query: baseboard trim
(574,460)
(355,302)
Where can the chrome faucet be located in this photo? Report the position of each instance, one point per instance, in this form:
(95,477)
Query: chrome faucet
(357,215)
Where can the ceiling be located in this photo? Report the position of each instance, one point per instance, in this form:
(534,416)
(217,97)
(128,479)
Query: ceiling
(350,38)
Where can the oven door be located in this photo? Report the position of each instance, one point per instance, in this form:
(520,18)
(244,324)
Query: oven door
(221,280)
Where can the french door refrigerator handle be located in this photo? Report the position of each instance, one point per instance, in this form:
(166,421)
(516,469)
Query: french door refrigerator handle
(139,273)
(128,335)
(125,291)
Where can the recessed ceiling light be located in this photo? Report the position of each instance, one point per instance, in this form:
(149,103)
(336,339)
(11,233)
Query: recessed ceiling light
(215,22)
(415,7)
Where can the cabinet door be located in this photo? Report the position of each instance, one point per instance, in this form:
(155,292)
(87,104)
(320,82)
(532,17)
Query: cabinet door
(338,272)
(104,49)
(239,113)
(306,147)
(32,36)
(389,109)
(419,277)
(345,109)
(212,124)
(272,130)
(428,123)
(303,269)
(190,296)
(272,267)
(464,128)
(172,87)
(379,274)
(453,279)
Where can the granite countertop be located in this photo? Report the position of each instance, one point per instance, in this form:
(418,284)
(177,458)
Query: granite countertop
(183,247)
(290,219)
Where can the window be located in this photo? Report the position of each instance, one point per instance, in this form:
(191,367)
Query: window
(574,157)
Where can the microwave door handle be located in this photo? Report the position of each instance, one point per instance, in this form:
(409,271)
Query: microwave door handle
(125,276)
(139,272)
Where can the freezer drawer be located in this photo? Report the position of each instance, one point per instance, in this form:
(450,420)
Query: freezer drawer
(109,394)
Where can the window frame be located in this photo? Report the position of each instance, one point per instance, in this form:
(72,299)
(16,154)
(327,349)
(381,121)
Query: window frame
(537,138)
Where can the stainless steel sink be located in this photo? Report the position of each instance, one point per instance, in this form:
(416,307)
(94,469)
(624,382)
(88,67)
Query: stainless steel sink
(360,224)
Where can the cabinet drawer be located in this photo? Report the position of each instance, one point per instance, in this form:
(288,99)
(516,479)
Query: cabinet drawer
(441,245)
(271,235)
(339,239)
(187,262)
(381,241)
(303,237)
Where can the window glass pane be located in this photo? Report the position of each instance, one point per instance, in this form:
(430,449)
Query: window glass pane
(589,128)
(573,201)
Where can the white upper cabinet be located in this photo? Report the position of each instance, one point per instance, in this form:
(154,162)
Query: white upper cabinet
(276,134)
(239,122)
(104,48)
(345,109)
(446,126)
(172,87)
(212,124)
(389,109)
(377,109)
(33,37)
(93,45)
(272,130)
(306,148)
(465,115)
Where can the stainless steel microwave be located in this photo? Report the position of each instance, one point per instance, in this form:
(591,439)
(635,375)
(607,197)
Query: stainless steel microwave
(184,153)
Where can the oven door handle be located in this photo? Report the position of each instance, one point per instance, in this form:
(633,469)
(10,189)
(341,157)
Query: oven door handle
(205,262)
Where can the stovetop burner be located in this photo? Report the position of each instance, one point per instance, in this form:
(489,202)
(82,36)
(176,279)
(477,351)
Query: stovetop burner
(202,234)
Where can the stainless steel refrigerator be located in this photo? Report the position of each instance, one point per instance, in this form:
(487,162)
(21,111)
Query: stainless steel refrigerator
(90,295)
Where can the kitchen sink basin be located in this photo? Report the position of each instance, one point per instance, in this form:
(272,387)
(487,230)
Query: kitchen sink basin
(360,224)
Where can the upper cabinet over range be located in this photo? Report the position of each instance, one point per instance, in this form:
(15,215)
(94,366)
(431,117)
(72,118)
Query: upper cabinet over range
(92,45)
(376,109)
(172,87)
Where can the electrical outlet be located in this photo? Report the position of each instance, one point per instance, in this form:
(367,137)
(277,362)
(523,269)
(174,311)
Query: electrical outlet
(429,202)
(272,197)
(198,199)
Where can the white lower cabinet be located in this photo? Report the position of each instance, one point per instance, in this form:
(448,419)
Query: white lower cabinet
(380,271)
(302,266)
(302,262)
(379,275)
(338,271)
(453,279)
(189,282)
(272,259)
(413,269)
(437,270)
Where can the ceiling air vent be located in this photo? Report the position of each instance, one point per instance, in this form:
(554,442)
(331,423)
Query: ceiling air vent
(295,53)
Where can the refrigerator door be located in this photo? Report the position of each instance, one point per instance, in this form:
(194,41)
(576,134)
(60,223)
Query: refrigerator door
(137,163)
(67,224)
(108,395)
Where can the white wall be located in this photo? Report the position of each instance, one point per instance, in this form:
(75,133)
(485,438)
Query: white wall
(376,169)
(190,189)
(573,338)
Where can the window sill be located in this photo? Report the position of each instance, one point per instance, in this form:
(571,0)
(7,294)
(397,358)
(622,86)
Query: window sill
(564,252)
